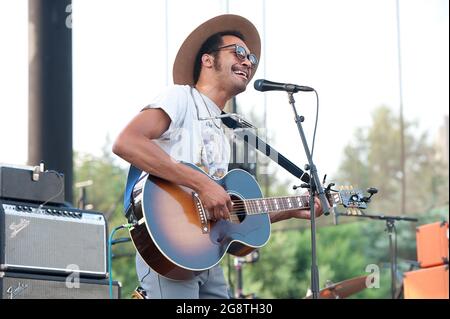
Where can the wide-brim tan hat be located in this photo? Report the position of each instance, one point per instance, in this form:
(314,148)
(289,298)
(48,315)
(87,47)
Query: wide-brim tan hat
(183,67)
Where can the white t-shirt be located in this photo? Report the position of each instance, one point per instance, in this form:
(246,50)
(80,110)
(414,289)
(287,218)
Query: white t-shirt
(194,135)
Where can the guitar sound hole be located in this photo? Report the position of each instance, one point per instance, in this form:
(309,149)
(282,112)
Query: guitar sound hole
(239,213)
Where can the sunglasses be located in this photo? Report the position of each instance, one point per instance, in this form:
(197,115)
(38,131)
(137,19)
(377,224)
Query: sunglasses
(241,53)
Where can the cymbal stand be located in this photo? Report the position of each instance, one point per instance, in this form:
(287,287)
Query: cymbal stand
(392,233)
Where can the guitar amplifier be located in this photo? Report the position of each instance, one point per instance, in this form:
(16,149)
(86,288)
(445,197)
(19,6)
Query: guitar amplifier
(30,286)
(52,240)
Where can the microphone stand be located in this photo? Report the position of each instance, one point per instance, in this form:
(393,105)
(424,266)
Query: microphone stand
(315,186)
(238,266)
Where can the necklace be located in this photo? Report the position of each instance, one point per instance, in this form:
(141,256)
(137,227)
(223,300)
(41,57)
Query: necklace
(209,112)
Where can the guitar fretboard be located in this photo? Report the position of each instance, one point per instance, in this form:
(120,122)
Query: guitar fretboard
(275,204)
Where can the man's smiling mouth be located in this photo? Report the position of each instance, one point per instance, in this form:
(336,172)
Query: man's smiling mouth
(242,74)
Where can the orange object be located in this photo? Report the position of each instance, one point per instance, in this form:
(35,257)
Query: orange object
(427,283)
(432,244)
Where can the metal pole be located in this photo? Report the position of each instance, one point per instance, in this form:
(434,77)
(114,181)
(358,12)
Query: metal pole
(266,176)
(167,41)
(390,228)
(50,87)
(239,290)
(402,129)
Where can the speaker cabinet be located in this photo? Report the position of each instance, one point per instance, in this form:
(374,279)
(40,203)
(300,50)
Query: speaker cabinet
(30,286)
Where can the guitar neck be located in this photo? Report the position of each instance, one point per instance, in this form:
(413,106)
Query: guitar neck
(276,204)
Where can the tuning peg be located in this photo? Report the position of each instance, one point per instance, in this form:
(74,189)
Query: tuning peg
(304,185)
(372,191)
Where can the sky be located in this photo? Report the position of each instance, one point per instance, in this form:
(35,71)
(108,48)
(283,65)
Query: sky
(347,50)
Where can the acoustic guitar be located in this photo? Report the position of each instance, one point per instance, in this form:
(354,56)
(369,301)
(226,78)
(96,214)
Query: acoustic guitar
(175,236)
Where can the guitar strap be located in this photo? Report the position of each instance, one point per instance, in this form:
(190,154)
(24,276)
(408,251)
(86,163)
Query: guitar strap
(252,139)
(133,176)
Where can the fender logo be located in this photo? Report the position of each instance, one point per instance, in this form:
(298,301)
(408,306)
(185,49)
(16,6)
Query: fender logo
(15,291)
(16,228)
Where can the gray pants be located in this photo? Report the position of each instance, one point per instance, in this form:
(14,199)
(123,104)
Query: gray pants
(210,284)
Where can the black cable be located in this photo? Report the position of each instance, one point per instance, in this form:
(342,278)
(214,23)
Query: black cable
(395,259)
(61,188)
(120,240)
(315,125)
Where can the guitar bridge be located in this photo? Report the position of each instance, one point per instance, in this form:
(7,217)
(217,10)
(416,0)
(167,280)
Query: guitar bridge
(201,213)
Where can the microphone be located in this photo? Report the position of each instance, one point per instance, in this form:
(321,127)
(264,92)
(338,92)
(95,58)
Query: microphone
(264,85)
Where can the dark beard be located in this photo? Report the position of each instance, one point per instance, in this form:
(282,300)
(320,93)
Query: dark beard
(217,66)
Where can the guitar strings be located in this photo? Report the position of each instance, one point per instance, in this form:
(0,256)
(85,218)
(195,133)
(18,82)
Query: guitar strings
(244,213)
(267,199)
(243,210)
(240,207)
(236,207)
(248,202)
(242,204)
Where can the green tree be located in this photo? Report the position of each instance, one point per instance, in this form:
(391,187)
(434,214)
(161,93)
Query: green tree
(105,195)
(373,159)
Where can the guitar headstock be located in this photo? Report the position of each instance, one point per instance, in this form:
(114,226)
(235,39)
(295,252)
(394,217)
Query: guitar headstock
(352,200)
